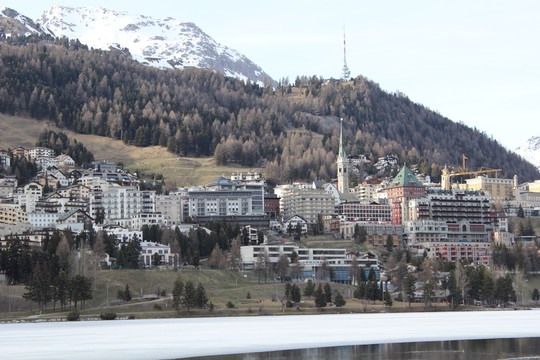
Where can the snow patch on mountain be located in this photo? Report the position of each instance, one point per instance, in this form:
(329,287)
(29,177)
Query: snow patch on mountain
(162,43)
(14,23)
(530,151)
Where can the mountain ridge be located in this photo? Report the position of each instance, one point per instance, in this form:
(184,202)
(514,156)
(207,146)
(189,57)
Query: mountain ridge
(530,151)
(161,43)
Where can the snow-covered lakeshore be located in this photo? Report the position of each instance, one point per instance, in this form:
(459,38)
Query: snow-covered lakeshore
(177,338)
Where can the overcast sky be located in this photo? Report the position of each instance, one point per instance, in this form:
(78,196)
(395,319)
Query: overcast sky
(477,62)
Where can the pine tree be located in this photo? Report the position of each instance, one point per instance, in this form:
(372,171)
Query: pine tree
(309,289)
(320,297)
(189,299)
(177,292)
(202,299)
(387,298)
(410,287)
(339,301)
(328,292)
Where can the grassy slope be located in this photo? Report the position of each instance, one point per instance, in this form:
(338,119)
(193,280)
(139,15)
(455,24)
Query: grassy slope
(154,159)
(221,287)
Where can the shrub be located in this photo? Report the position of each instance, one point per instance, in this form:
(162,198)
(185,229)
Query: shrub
(157,307)
(211,306)
(107,316)
(73,316)
(131,317)
(230,305)
(248,296)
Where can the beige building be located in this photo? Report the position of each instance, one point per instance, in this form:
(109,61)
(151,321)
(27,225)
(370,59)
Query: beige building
(534,186)
(171,207)
(497,189)
(307,203)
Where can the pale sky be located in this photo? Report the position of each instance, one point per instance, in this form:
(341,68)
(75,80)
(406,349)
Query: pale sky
(477,62)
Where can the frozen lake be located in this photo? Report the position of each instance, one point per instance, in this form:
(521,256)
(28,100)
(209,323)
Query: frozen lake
(177,338)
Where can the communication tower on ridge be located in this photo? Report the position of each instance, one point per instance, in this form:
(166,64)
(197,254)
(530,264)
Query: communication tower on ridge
(346,72)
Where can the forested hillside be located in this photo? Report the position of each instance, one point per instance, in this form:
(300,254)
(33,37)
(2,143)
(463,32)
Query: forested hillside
(293,130)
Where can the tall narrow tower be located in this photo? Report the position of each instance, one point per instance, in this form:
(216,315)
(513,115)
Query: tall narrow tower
(346,72)
(342,165)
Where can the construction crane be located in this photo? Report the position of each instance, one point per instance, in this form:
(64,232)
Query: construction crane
(445,177)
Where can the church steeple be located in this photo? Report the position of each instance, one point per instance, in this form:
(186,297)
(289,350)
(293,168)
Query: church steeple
(341,148)
(342,165)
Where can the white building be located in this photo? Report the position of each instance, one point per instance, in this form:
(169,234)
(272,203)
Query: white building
(224,197)
(292,222)
(122,202)
(148,249)
(40,152)
(32,192)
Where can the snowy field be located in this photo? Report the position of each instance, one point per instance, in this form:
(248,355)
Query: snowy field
(177,338)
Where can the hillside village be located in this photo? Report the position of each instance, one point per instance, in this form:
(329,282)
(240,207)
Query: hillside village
(236,223)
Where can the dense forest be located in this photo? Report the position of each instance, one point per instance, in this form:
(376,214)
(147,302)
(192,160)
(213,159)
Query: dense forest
(292,130)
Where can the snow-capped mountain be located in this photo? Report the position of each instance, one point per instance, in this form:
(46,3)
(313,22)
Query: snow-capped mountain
(13,23)
(163,43)
(530,151)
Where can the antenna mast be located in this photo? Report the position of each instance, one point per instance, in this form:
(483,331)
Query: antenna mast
(346,71)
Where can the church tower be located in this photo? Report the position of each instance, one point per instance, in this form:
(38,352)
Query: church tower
(342,165)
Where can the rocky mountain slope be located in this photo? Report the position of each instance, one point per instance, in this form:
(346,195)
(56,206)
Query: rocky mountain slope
(530,151)
(162,43)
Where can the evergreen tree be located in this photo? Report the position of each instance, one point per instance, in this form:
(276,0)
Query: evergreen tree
(177,292)
(387,298)
(328,292)
(156,259)
(410,288)
(309,289)
(339,301)
(80,289)
(429,293)
(202,299)
(39,288)
(189,300)
(521,213)
(320,297)
(296,295)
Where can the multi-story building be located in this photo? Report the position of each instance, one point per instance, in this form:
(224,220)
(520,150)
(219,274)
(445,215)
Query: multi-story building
(92,178)
(366,191)
(497,189)
(12,214)
(40,152)
(171,207)
(451,206)
(534,186)
(454,225)
(20,152)
(403,188)
(271,206)
(5,160)
(311,261)
(306,202)
(121,202)
(365,211)
(29,196)
(240,202)
(376,233)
